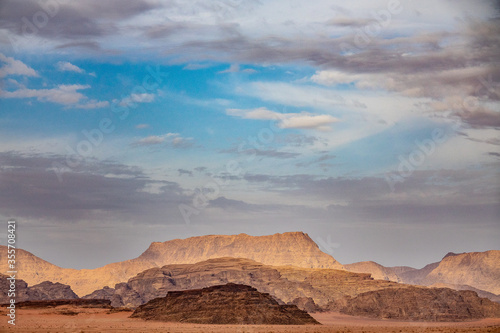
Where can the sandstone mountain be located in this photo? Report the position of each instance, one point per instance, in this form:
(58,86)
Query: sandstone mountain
(416,276)
(476,271)
(480,270)
(309,289)
(223,304)
(42,291)
(291,248)
(419,304)
(287,284)
(377,271)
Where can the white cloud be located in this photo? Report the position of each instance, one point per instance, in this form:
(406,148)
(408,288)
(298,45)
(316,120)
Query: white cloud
(142,126)
(303,120)
(65,66)
(137,98)
(330,78)
(308,121)
(15,67)
(170,139)
(302,95)
(150,140)
(235,68)
(93,104)
(63,94)
(142,98)
(361,81)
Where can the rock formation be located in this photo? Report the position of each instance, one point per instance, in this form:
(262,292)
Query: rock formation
(419,304)
(480,270)
(476,271)
(480,293)
(49,291)
(377,271)
(286,284)
(291,248)
(78,302)
(223,304)
(42,291)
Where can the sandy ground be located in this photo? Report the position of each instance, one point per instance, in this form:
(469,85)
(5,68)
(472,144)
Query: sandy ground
(64,319)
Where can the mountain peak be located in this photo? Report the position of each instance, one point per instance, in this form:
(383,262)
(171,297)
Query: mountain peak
(286,249)
(452,254)
(280,249)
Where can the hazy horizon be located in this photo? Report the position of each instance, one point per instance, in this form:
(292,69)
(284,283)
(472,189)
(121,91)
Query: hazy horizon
(373,127)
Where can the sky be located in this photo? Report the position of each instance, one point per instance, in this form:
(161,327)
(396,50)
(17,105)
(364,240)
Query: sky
(373,126)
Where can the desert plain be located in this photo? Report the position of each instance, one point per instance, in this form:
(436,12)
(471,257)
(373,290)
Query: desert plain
(66,319)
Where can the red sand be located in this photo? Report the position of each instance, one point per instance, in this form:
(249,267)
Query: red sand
(100,320)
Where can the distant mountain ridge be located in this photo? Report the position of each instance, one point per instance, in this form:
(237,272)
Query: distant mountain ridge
(477,271)
(377,271)
(290,248)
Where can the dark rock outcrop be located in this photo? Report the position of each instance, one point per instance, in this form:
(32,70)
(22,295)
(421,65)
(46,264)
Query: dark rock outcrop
(224,304)
(84,303)
(104,293)
(21,288)
(42,291)
(306,303)
(49,291)
(418,304)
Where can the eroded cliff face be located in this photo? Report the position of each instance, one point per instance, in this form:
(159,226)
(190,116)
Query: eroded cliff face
(480,270)
(418,304)
(287,284)
(292,248)
(309,289)
(222,304)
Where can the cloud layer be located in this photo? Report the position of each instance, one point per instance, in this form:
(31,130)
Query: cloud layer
(303,120)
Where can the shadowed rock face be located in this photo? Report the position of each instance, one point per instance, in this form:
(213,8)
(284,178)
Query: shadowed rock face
(42,291)
(224,304)
(290,248)
(50,291)
(419,303)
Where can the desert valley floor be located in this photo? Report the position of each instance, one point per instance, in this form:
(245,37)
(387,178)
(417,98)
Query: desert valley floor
(65,320)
